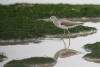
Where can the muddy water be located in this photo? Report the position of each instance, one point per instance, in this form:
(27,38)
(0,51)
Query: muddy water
(48,48)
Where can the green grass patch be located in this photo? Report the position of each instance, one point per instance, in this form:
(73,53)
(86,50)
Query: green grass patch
(29,61)
(95,50)
(81,29)
(2,56)
(19,21)
(47,10)
(34,29)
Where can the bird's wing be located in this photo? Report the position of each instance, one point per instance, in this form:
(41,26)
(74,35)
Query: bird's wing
(65,20)
(67,23)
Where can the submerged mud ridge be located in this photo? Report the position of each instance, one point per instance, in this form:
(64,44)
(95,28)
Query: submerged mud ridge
(96,60)
(15,42)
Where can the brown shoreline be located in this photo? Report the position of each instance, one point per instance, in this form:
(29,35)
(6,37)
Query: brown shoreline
(18,41)
(26,41)
(72,35)
(96,60)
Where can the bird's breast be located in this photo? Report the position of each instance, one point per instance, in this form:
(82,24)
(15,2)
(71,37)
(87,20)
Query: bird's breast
(63,27)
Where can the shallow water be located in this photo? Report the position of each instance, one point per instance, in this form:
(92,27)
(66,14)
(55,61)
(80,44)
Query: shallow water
(48,48)
(51,1)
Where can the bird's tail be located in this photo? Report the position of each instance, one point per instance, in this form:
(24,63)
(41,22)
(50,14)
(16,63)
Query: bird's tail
(81,23)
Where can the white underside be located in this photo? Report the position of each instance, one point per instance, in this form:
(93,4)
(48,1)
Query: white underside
(65,27)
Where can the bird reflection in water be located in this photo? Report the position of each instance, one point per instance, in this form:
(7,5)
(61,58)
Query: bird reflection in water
(63,53)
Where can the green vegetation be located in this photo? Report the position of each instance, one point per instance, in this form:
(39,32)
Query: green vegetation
(29,61)
(95,50)
(2,57)
(19,21)
(81,29)
(21,30)
(47,10)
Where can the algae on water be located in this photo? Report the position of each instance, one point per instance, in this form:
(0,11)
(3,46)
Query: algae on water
(94,50)
(30,62)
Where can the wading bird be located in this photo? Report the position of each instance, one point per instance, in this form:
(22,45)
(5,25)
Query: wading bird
(64,24)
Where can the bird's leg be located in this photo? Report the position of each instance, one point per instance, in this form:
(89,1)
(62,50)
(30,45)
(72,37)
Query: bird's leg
(68,37)
(64,31)
(64,43)
(63,40)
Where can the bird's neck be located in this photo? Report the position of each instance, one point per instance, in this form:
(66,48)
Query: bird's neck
(56,56)
(54,20)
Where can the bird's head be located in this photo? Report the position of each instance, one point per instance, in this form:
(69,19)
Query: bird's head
(53,18)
